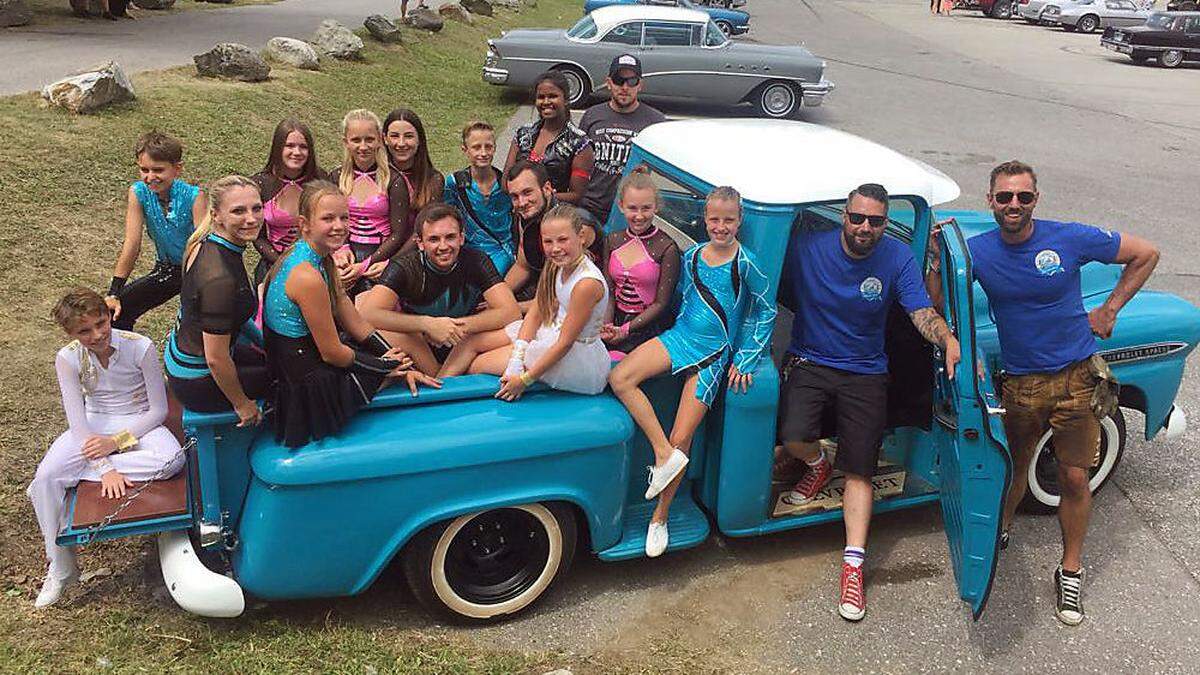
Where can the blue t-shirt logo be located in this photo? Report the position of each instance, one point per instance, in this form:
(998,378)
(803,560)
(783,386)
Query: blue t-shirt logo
(871,289)
(1048,263)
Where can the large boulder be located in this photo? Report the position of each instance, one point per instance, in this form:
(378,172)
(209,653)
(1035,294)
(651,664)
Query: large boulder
(232,61)
(154,4)
(424,19)
(334,39)
(91,90)
(382,28)
(14,13)
(456,12)
(293,52)
(480,7)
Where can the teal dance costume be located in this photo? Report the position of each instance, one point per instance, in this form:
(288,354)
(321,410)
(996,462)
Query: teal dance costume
(725,316)
(169,231)
(313,399)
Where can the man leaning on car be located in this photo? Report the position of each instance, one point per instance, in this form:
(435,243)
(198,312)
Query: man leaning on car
(1054,379)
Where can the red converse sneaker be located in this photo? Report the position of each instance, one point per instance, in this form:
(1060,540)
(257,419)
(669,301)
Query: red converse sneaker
(810,485)
(853,603)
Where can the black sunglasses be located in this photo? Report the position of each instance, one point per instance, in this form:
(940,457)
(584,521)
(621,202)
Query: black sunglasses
(1025,197)
(632,80)
(858,218)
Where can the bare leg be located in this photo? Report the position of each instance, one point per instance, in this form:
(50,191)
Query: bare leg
(417,349)
(856,509)
(1073,513)
(648,360)
(493,362)
(1020,482)
(460,358)
(687,418)
(805,450)
(403,9)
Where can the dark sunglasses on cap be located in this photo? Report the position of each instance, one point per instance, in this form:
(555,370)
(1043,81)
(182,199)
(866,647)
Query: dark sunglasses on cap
(858,218)
(631,80)
(1026,197)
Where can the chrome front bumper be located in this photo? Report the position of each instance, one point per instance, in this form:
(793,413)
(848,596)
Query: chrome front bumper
(813,93)
(495,75)
(1122,47)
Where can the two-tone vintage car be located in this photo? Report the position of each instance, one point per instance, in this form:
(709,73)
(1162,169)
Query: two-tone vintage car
(684,55)
(730,21)
(483,503)
(1087,16)
(1170,38)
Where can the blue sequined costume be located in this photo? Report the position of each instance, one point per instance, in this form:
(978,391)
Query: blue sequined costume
(725,315)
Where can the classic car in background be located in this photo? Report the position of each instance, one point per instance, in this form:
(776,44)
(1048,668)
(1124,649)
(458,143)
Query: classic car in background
(730,21)
(483,504)
(684,56)
(1168,37)
(1086,16)
(1031,10)
(997,9)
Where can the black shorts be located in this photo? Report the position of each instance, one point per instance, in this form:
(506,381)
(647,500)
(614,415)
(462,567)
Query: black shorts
(857,402)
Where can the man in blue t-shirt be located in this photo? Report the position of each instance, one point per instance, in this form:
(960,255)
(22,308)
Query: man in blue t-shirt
(1030,271)
(843,283)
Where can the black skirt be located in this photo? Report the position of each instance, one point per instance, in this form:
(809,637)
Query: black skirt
(202,394)
(312,398)
(636,337)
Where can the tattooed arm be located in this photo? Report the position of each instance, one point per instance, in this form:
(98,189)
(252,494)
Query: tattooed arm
(933,328)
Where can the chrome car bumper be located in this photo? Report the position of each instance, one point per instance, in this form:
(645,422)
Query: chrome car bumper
(1031,14)
(813,93)
(495,75)
(1123,47)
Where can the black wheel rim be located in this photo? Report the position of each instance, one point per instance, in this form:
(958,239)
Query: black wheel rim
(497,556)
(1046,469)
(725,27)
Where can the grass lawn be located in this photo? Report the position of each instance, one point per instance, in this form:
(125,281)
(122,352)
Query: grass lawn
(56,12)
(62,187)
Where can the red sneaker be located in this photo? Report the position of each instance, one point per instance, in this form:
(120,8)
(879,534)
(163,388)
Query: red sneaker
(810,485)
(853,603)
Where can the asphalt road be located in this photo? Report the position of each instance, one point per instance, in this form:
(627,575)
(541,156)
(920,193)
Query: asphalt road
(1114,144)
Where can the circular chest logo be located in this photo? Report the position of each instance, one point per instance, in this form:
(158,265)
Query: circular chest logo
(871,289)
(1048,263)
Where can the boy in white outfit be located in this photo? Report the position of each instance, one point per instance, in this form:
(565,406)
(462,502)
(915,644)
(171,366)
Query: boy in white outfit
(115,400)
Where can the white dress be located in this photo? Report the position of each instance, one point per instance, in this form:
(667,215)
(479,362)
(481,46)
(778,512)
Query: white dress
(584,368)
(130,395)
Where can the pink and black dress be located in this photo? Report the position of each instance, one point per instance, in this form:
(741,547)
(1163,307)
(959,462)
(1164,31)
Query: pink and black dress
(280,227)
(642,271)
(379,225)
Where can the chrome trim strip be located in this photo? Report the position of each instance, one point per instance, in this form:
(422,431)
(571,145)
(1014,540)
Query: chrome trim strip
(1144,352)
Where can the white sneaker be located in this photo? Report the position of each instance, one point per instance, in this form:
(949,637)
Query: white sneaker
(656,539)
(53,589)
(661,476)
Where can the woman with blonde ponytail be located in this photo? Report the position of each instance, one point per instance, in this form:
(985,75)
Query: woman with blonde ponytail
(212,360)
(322,381)
(558,342)
(379,204)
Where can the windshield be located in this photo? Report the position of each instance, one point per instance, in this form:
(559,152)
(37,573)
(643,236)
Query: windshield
(713,37)
(584,29)
(1162,21)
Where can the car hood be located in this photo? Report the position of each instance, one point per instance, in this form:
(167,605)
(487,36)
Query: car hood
(533,35)
(748,50)
(1136,29)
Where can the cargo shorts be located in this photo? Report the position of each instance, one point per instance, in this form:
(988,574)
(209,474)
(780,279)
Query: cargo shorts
(1060,402)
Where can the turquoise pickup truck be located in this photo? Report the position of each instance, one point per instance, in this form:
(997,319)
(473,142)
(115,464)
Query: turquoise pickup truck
(483,504)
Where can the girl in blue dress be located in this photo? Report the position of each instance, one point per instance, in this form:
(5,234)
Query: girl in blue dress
(722,332)
(322,381)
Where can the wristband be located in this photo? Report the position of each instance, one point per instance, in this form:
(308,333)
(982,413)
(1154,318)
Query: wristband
(124,440)
(115,286)
(527,379)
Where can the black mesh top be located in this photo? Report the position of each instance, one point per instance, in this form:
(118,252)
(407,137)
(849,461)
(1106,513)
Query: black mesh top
(216,297)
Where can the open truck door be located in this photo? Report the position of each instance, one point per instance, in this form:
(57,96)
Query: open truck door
(974,463)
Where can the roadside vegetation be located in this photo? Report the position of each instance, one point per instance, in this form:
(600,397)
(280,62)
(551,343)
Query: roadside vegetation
(62,192)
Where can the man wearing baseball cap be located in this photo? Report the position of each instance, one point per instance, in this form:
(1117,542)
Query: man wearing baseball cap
(611,126)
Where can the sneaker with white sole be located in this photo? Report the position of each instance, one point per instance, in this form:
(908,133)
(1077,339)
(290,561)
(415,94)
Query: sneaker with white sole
(852,601)
(810,485)
(656,539)
(1068,591)
(53,589)
(661,476)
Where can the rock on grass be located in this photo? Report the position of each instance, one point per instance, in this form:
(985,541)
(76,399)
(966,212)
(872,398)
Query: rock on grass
(480,7)
(383,29)
(92,90)
(424,19)
(456,12)
(14,13)
(233,61)
(333,38)
(154,4)
(293,52)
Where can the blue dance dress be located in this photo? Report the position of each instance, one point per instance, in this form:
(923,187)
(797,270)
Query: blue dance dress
(725,316)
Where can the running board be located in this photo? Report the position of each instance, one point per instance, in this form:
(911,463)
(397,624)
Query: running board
(687,525)
(164,506)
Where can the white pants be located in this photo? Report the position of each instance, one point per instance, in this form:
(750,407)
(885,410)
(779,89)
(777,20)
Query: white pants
(64,466)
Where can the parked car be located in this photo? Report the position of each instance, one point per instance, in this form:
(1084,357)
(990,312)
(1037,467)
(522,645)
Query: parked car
(1087,16)
(998,9)
(1183,6)
(1031,10)
(484,503)
(730,21)
(684,56)
(1168,37)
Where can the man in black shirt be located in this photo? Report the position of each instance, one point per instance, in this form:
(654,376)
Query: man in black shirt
(425,300)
